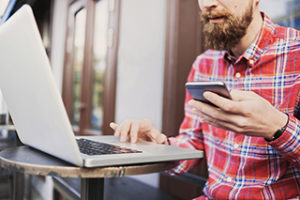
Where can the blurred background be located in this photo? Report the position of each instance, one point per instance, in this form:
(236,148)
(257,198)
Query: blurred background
(114,60)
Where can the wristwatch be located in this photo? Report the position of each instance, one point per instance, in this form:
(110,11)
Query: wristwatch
(279,132)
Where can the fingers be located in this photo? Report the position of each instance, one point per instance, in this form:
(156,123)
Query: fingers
(225,104)
(151,132)
(134,129)
(228,125)
(161,139)
(125,130)
(116,128)
(158,137)
(134,132)
(113,125)
(122,130)
(205,111)
(222,124)
(240,95)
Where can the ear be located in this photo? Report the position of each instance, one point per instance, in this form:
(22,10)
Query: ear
(256,4)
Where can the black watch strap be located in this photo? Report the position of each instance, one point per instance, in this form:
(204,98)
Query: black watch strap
(279,132)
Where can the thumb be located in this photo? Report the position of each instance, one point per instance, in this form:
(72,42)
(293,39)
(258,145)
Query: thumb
(158,137)
(161,139)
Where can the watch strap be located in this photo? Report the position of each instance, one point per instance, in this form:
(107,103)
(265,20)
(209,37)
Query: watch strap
(279,132)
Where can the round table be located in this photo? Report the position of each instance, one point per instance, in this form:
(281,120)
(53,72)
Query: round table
(26,160)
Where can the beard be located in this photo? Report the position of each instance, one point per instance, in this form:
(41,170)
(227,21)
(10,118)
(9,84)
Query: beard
(227,34)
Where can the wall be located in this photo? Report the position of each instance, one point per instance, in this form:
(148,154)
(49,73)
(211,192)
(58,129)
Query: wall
(141,64)
(283,12)
(277,9)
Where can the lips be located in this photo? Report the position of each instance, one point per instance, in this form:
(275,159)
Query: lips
(216,17)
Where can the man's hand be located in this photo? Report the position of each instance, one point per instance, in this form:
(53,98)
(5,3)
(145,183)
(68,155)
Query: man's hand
(247,113)
(138,129)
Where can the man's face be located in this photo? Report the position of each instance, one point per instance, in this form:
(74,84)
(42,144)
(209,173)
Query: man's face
(225,22)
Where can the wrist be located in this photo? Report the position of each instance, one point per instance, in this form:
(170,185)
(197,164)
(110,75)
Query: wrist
(279,130)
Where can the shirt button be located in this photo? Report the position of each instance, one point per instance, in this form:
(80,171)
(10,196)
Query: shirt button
(251,61)
(235,146)
(238,75)
(228,179)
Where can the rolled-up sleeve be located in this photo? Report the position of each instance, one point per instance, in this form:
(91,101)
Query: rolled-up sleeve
(288,144)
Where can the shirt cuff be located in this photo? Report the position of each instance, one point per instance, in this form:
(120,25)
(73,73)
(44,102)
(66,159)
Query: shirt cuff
(288,144)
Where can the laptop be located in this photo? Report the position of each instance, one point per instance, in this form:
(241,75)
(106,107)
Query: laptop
(38,112)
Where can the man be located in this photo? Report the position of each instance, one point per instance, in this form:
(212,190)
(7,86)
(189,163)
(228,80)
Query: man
(252,142)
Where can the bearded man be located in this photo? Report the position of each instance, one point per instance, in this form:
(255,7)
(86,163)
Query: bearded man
(251,142)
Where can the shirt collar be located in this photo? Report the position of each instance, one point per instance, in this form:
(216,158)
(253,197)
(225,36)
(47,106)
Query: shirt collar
(256,48)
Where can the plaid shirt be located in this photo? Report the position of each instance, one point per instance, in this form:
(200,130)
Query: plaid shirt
(240,166)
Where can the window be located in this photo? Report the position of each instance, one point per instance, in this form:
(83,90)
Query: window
(99,63)
(283,12)
(89,68)
(79,37)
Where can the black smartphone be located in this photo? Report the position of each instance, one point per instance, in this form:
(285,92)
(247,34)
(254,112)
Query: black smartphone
(196,89)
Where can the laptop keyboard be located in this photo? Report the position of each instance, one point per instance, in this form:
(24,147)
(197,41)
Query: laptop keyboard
(90,147)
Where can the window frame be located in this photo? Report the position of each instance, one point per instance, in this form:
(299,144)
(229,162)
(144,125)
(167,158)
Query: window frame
(109,93)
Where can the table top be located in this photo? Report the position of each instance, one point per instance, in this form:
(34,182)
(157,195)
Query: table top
(27,160)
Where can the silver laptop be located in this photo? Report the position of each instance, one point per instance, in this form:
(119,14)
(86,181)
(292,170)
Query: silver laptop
(38,112)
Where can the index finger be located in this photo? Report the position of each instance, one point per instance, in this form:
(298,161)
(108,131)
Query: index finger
(113,125)
(116,128)
(223,103)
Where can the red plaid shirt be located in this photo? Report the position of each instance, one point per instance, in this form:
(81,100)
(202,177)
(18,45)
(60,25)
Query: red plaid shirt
(245,167)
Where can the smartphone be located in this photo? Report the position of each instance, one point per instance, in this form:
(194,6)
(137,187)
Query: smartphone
(196,89)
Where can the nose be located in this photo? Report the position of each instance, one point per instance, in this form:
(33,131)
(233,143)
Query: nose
(207,4)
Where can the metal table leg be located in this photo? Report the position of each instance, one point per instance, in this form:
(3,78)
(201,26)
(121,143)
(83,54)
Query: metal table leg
(92,188)
(18,186)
